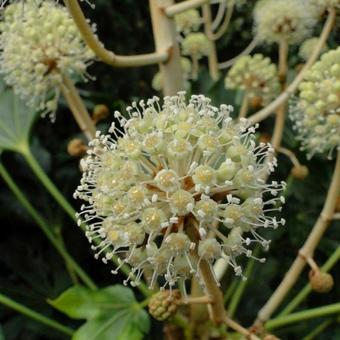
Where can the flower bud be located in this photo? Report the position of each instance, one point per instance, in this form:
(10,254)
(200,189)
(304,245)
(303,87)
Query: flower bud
(100,112)
(321,282)
(76,148)
(164,304)
(300,172)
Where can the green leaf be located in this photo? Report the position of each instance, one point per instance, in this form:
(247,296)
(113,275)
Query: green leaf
(112,313)
(16,120)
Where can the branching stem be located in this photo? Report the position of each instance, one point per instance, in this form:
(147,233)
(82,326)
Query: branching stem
(101,52)
(307,249)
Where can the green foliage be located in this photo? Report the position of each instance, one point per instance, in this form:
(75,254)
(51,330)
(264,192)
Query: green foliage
(16,120)
(111,313)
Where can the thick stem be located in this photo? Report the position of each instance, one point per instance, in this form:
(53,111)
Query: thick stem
(270,109)
(98,48)
(78,108)
(295,302)
(216,308)
(308,248)
(44,227)
(34,315)
(180,7)
(304,315)
(164,32)
(212,58)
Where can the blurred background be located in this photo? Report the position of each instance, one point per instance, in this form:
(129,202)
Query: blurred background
(32,271)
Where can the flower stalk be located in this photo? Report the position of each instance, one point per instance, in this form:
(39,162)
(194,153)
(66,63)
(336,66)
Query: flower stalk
(307,249)
(101,52)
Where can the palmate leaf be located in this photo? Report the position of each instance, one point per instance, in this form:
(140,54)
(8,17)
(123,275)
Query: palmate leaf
(16,120)
(111,313)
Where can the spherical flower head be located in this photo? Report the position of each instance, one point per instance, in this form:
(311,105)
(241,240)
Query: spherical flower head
(308,46)
(316,110)
(188,21)
(157,80)
(256,75)
(287,20)
(39,44)
(179,169)
(196,45)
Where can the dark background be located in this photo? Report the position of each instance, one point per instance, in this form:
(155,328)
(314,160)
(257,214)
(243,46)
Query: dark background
(31,270)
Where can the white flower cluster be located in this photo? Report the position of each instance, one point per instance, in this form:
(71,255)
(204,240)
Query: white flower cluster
(39,43)
(256,75)
(316,112)
(322,5)
(157,80)
(188,21)
(288,20)
(177,184)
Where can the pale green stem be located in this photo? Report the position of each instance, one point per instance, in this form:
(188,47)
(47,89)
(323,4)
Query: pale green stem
(230,290)
(44,227)
(34,315)
(48,184)
(294,303)
(318,330)
(235,300)
(304,315)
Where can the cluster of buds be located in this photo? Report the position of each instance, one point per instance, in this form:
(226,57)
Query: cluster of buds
(308,46)
(284,20)
(157,81)
(175,185)
(38,46)
(196,45)
(316,110)
(164,304)
(257,76)
(188,21)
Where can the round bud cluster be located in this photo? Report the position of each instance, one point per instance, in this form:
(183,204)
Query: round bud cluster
(163,305)
(321,282)
(316,110)
(188,21)
(287,20)
(177,184)
(157,81)
(307,48)
(39,43)
(196,45)
(256,75)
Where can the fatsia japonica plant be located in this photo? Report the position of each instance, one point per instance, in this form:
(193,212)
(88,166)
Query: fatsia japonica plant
(208,190)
